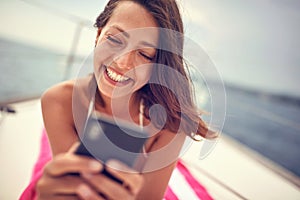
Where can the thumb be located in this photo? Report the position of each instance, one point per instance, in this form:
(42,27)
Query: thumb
(74,147)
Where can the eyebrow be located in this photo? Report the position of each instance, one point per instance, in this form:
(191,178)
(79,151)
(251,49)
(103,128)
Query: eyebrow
(121,30)
(128,36)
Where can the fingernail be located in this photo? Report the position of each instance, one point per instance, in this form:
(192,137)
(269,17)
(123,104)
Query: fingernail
(95,165)
(84,191)
(114,164)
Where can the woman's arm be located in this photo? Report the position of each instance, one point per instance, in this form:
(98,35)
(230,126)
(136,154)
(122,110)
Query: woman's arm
(58,117)
(161,162)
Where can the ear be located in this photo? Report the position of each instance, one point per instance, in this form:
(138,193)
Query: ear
(98,35)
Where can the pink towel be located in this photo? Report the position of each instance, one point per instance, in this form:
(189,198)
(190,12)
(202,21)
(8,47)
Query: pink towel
(44,156)
(183,185)
(199,192)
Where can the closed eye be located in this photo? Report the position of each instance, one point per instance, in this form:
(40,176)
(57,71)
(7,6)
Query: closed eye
(113,39)
(146,56)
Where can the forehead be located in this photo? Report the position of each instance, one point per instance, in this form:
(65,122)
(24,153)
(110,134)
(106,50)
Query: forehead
(134,19)
(132,15)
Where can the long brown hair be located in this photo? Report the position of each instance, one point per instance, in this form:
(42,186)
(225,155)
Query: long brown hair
(179,105)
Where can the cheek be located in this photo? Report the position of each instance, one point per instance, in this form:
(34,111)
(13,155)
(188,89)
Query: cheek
(103,51)
(143,73)
(102,55)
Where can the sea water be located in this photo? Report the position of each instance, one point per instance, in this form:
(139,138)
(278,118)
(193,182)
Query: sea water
(27,71)
(268,124)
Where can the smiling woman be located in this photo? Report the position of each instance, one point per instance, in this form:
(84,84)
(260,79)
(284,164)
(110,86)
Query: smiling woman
(139,76)
(119,53)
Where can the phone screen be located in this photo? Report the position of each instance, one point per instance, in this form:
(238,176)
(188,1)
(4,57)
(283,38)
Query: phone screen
(106,138)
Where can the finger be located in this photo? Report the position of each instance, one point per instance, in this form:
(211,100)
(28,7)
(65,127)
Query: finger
(131,178)
(74,147)
(106,186)
(87,193)
(119,166)
(66,185)
(71,163)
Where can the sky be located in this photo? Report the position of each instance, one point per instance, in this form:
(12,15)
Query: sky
(254,44)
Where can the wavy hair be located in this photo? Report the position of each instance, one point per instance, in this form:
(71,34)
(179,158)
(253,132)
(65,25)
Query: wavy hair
(179,105)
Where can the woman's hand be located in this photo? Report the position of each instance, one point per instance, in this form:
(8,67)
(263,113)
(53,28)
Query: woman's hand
(57,182)
(132,182)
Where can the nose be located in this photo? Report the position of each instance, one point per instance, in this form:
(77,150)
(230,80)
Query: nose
(126,61)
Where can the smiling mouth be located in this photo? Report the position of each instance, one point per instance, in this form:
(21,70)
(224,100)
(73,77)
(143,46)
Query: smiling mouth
(116,77)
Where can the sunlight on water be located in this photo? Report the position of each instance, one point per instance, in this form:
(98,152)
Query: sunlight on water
(27,71)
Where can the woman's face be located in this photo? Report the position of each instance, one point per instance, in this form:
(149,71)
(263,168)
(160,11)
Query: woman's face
(125,50)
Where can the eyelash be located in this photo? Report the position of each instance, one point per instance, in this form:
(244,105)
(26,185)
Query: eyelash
(145,56)
(118,42)
(112,39)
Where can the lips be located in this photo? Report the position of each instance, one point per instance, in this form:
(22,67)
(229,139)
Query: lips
(115,77)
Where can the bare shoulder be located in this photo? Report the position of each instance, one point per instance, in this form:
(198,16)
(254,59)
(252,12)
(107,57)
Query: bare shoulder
(61,94)
(165,138)
(165,150)
(58,94)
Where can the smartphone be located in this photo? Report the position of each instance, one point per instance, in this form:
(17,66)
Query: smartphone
(107,138)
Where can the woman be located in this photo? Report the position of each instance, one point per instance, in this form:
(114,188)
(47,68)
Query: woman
(131,50)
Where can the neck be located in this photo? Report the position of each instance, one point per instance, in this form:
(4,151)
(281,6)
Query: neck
(126,107)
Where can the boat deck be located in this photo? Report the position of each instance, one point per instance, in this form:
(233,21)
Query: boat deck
(230,171)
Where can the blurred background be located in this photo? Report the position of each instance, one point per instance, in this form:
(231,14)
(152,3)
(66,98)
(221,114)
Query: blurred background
(254,45)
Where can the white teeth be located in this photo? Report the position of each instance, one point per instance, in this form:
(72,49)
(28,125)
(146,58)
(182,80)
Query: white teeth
(116,77)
